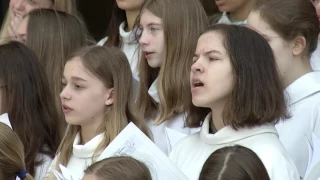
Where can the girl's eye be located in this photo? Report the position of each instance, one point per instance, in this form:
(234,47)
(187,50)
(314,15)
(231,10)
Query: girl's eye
(31,2)
(213,59)
(152,29)
(194,60)
(77,86)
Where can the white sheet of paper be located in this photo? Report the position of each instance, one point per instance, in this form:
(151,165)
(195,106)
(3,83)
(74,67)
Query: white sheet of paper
(173,137)
(132,142)
(313,170)
(58,175)
(4,118)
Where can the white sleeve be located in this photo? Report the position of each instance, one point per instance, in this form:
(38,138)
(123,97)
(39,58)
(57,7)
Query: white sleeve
(102,41)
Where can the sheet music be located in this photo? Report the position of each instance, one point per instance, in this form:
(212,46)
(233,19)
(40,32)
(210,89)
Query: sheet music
(132,142)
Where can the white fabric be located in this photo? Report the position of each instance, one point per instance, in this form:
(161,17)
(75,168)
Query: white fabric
(177,123)
(304,107)
(82,155)
(315,59)
(191,152)
(225,20)
(129,46)
(41,171)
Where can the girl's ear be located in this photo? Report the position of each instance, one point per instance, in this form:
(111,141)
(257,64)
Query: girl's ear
(109,97)
(299,45)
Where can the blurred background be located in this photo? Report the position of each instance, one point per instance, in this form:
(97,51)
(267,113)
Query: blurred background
(94,11)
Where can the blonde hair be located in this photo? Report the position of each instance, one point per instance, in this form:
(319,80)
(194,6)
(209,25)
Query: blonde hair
(11,154)
(111,66)
(183,22)
(53,35)
(68,6)
(119,168)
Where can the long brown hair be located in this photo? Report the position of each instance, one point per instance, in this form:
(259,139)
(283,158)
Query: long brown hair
(257,96)
(68,6)
(11,154)
(119,168)
(182,23)
(111,66)
(236,163)
(26,96)
(53,35)
(118,16)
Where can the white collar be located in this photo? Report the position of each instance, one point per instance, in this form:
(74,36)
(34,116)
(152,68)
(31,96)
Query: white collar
(228,135)
(127,37)
(303,87)
(87,150)
(153,91)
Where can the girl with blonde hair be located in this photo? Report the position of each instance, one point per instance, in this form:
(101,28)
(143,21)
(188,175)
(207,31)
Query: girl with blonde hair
(97,102)
(169,31)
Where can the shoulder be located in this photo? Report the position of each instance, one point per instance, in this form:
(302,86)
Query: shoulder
(102,41)
(188,143)
(277,162)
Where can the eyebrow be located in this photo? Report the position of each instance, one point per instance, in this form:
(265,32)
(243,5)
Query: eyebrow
(74,78)
(208,52)
(154,24)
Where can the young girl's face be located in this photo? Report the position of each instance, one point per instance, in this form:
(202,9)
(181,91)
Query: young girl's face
(230,5)
(20,8)
(84,97)
(281,48)
(211,76)
(130,5)
(22,30)
(152,38)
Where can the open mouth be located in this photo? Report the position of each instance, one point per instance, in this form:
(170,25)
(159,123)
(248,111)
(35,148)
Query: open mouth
(148,53)
(197,83)
(66,109)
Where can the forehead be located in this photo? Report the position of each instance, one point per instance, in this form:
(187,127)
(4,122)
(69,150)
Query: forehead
(147,17)
(256,23)
(210,41)
(75,67)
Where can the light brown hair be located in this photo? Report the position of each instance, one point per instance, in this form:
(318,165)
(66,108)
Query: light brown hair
(291,18)
(182,24)
(119,168)
(68,6)
(257,95)
(11,154)
(53,35)
(233,163)
(111,66)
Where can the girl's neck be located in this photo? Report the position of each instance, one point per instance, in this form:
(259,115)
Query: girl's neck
(131,18)
(299,67)
(242,13)
(217,118)
(90,130)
